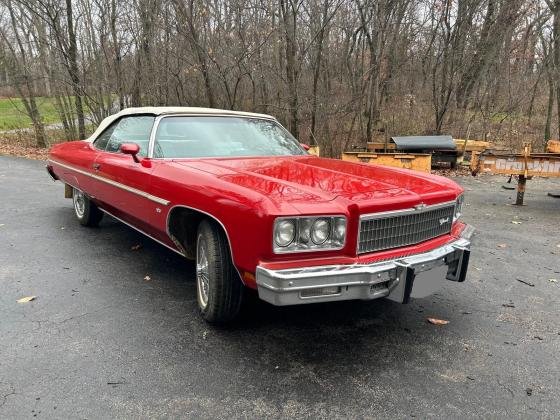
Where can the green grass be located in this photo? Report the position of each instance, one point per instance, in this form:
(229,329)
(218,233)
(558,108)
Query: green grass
(13,115)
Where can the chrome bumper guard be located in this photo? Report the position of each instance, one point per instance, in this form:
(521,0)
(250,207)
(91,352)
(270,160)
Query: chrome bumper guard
(393,279)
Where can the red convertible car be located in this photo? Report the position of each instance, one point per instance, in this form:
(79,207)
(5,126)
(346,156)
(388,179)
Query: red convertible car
(238,194)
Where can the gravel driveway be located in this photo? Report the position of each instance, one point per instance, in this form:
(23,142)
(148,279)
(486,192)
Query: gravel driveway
(114,332)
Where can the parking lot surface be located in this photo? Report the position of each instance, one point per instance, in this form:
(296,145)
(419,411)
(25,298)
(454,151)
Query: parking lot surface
(114,329)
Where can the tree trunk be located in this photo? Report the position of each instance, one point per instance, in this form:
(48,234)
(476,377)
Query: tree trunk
(550,106)
(74,71)
(289,16)
(317,68)
(556,55)
(117,54)
(23,81)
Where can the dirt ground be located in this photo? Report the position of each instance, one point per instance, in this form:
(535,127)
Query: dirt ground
(101,341)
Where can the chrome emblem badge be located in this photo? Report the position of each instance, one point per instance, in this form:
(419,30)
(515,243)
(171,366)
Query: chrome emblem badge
(443,220)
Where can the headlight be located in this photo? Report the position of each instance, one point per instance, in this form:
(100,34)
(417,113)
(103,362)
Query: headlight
(285,232)
(458,207)
(322,233)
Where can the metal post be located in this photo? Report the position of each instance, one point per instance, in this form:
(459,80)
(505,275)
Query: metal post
(68,191)
(386,138)
(520,190)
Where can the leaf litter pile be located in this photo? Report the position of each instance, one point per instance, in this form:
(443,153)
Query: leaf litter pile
(10,148)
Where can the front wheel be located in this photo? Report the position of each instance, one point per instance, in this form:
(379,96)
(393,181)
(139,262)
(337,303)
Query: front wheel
(218,286)
(86,212)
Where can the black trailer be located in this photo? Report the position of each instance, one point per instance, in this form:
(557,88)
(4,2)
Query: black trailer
(442,148)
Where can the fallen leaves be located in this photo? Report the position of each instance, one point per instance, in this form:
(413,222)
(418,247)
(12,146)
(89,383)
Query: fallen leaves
(528,283)
(553,280)
(502,245)
(26,299)
(458,171)
(436,321)
(8,147)
(516,222)
(114,384)
(147,278)
(136,247)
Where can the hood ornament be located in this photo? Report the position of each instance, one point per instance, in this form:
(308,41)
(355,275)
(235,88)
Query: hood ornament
(420,206)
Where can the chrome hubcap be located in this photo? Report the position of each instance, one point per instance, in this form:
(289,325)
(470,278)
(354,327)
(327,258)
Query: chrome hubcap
(202,276)
(79,202)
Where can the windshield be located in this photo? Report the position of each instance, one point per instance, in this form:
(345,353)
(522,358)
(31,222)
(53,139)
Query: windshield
(188,137)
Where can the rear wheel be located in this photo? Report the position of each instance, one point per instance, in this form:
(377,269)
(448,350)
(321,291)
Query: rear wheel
(219,289)
(86,212)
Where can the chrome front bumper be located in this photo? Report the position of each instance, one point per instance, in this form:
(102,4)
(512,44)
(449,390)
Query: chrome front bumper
(393,279)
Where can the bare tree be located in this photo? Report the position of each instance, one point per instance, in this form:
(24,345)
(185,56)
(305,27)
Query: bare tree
(335,72)
(19,61)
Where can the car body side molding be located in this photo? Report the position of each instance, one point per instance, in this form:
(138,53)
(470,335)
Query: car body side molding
(136,191)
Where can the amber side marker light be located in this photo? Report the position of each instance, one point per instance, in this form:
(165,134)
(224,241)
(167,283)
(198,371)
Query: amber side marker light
(248,277)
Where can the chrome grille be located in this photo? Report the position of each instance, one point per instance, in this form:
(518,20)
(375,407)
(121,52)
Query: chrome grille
(402,228)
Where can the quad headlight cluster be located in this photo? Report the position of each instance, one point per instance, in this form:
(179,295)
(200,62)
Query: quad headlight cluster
(458,207)
(292,234)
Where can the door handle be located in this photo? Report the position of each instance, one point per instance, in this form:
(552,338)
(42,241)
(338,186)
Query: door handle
(96,166)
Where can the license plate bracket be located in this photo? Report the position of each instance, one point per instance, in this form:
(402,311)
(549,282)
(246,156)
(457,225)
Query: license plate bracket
(428,282)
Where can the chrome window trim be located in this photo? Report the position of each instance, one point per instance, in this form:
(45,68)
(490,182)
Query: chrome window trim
(124,187)
(152,143)
(402,212)
(93,140)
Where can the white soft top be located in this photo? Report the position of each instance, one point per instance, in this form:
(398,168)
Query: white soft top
(161,110)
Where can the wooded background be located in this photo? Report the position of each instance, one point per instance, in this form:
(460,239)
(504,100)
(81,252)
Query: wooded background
(335,72)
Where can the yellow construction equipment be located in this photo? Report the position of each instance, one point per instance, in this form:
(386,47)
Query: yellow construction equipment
(415,161)
(524,165)
(553,146)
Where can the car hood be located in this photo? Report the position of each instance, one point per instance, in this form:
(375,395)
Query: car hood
(305,181)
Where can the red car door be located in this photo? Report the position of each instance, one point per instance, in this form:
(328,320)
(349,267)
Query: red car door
(75,163)
(122,184)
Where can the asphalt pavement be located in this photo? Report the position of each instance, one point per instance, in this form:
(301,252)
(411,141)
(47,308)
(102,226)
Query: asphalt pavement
(114,330)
